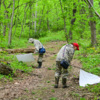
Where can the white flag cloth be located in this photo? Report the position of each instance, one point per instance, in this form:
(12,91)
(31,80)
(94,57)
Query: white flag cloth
(25,57)
(88,78)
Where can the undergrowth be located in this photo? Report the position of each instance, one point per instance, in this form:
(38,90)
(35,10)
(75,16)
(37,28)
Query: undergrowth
(89,56)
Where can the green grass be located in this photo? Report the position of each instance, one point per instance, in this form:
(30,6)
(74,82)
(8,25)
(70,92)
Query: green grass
(55,36)
(90,59)
(53,98)
(14,64)
(89,56)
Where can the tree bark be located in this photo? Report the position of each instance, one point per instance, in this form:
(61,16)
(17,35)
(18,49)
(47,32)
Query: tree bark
(72,22)
(25,50)
(91,5)
(57,16)
(16,19)
(30,5)
(92,26)
(10,31)
(65,30)
(41,19)
(0,14)
(63,17)
(24,21)
(6,17)
(35,28)
(48,22)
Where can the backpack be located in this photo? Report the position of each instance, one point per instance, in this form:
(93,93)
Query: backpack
(64,64)
(42,50)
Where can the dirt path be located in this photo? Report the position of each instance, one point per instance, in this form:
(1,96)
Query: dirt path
(39,85)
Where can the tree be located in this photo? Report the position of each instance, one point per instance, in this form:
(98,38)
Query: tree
(64,18)
(11,24)
(92,25)
(72,22)
(0,16)
(35,28)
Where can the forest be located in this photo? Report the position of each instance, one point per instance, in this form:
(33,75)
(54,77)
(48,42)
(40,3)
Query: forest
(55,23)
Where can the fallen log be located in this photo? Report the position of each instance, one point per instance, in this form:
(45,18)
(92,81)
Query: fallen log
(25,50)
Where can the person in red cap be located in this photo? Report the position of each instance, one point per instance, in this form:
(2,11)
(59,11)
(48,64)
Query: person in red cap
(63,60)
(76,46)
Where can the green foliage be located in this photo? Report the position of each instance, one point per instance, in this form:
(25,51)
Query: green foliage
(14,64)
(53,36)
(94,88)
(90,59)
(53,98)
(49,27)
(82,99)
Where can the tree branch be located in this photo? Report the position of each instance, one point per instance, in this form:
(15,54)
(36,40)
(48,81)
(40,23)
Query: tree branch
(93,8)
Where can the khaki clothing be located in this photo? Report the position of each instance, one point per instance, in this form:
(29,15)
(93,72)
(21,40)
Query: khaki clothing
(66,53)
(40,58)
(37,44)
(60,71)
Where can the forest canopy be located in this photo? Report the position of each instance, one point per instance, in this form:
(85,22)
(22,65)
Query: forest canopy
(36,18)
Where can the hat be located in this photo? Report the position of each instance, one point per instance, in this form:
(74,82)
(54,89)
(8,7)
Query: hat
(31,40)
(76,45)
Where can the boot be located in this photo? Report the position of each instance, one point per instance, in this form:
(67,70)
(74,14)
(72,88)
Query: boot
(64,83)
(56,82)
(39,64)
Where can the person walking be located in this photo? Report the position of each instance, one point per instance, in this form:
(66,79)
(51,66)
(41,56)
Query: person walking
(39,48)
(63,60)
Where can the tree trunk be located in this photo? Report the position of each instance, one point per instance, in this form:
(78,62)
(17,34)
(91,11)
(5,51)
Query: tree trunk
(64,20)
(57,16)
(63,17)
(16,20)
(10,31)
(92,26)
(23,22)
(25,50)
(40,21)
(48,22)
(6,17)
(35,29)
(72,22)
(0,21)
(30,20)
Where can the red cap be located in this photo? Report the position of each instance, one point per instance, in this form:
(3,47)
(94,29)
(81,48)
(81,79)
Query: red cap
(76,45)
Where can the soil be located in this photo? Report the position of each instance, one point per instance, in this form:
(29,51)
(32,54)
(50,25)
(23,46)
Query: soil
(39,84)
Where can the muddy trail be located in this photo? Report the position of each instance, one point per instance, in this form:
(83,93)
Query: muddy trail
(39,84)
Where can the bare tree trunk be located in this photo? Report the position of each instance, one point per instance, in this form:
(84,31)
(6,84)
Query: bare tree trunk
(48,22)
(35,29)
(0,22)
(57,17)
(41,19)
(93,27)
(4,30)
(72,22)
(6,16)
(10,31)
(64,20)
(30,19)
(23,22)
(16,18)
(63,17)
